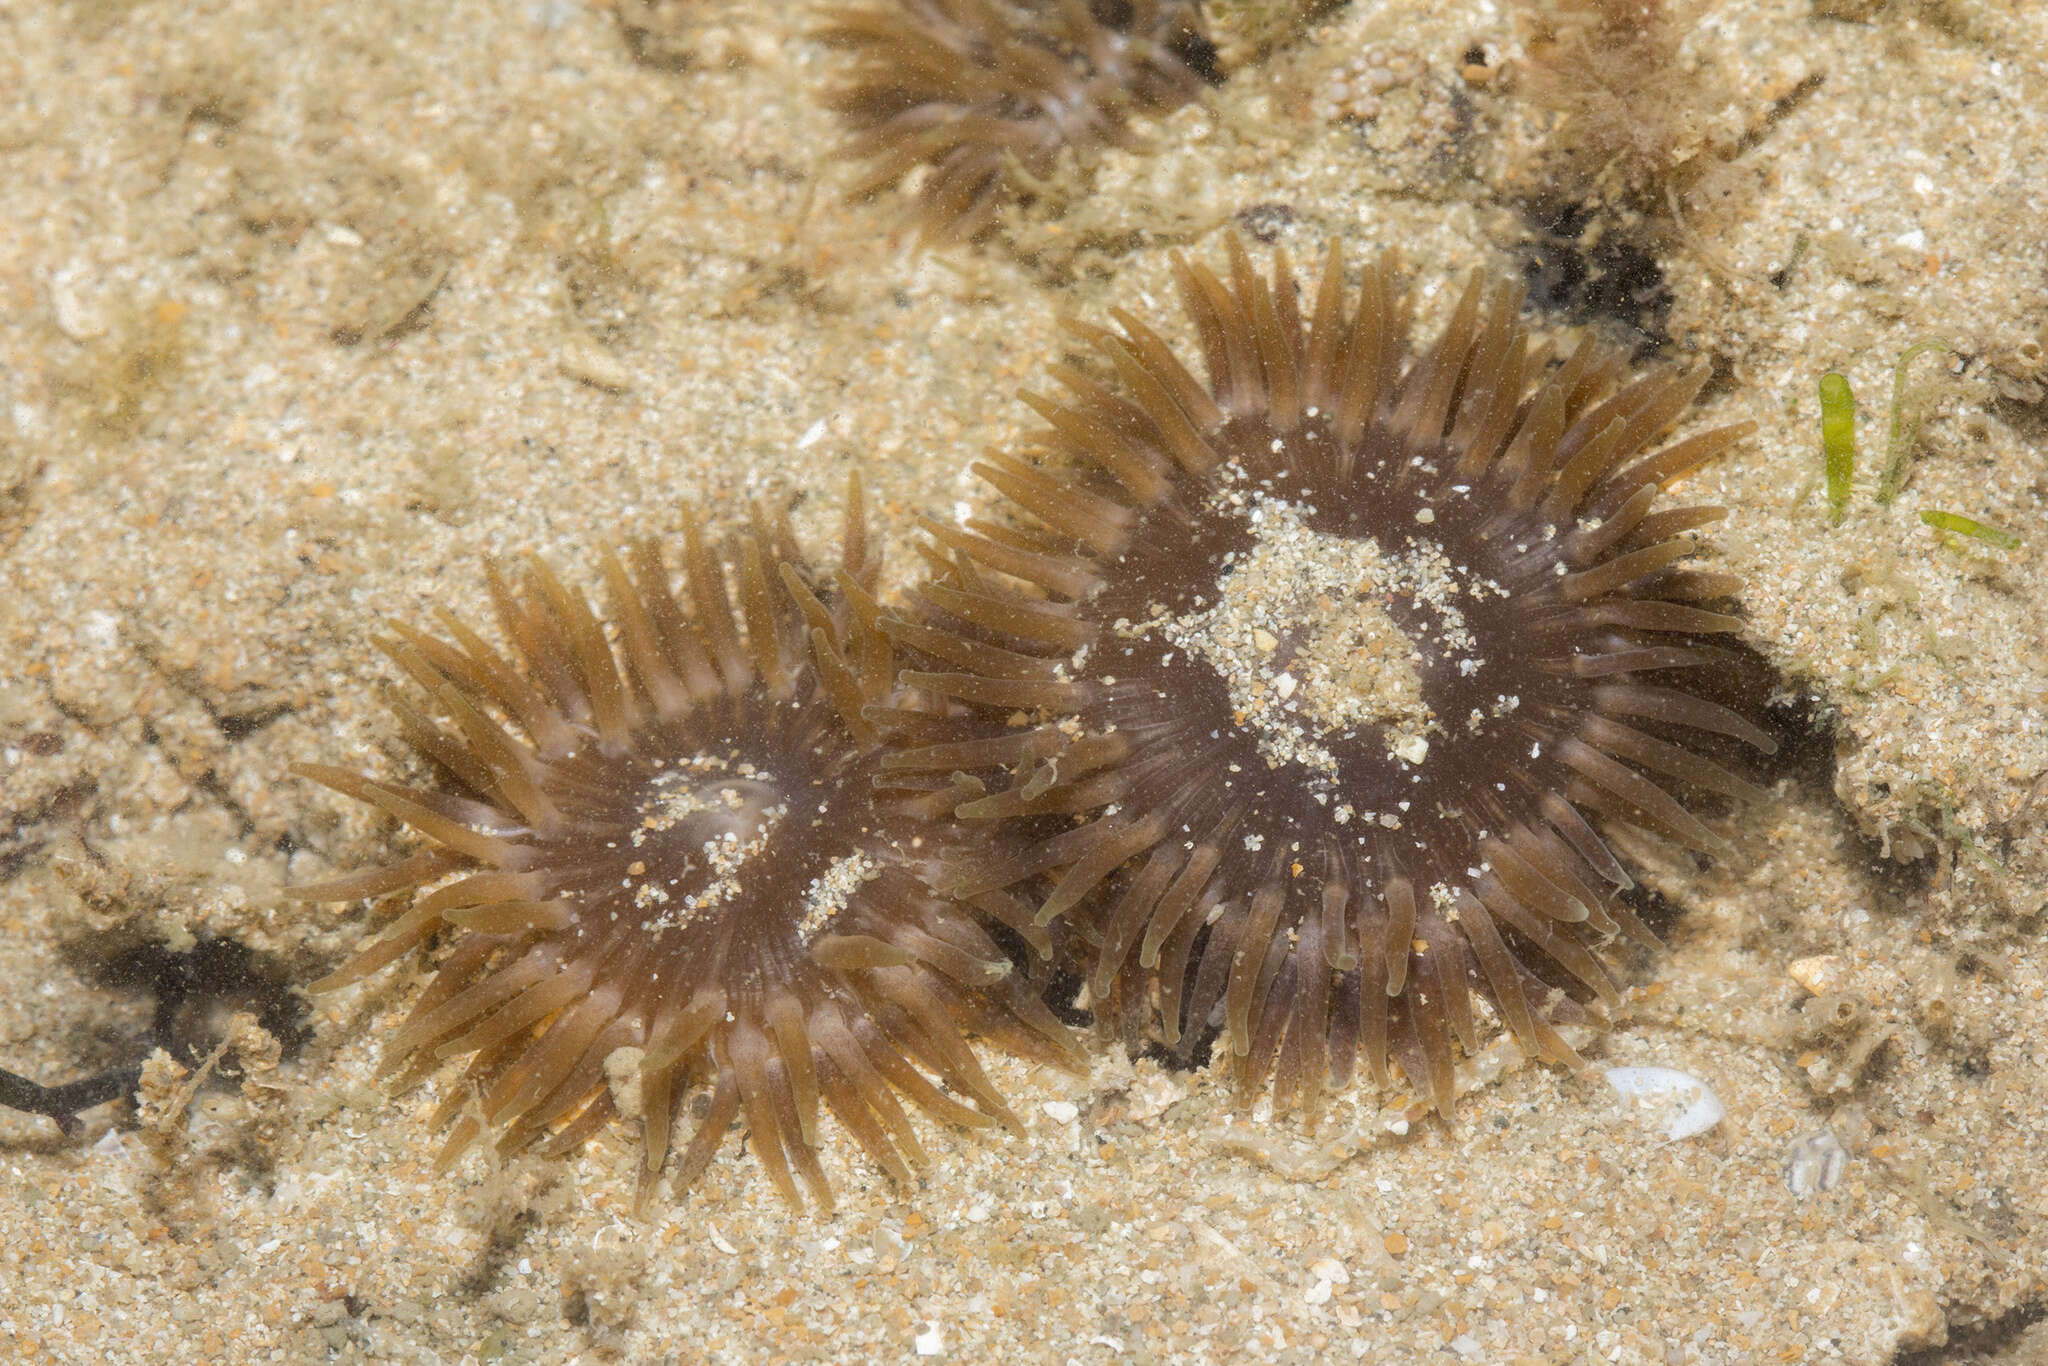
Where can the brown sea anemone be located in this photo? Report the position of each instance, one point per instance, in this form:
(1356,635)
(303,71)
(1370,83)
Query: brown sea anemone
(987,93)
(662,849)
(1332,669)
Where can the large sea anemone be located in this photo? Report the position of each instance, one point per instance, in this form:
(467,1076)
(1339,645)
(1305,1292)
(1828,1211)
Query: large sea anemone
(664,856)
(1322,683)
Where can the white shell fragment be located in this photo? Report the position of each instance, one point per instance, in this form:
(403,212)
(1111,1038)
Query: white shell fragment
(1681,1102)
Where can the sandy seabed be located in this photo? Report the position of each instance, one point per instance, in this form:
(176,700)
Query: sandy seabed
(304,310)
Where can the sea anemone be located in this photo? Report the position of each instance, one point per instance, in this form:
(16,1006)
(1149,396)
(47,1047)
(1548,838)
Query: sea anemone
(986,93)
(1320,681)
(662,847)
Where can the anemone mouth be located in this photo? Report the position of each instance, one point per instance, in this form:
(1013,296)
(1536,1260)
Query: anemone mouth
(670,858)
(1333,667)
(983,96)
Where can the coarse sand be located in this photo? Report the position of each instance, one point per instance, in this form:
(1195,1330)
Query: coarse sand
(307,309)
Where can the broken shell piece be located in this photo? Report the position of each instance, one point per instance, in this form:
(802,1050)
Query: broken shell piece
(1683,1103)
(1820,974)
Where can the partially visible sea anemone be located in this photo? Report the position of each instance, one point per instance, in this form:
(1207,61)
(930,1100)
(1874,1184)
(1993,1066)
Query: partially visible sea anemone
(663,854)
(1635,122)
(986,94)
(1319,680)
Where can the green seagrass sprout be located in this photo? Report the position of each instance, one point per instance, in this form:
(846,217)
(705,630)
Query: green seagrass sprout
(1838,451)
(1898,450)
(1838,440)
(1969,526)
